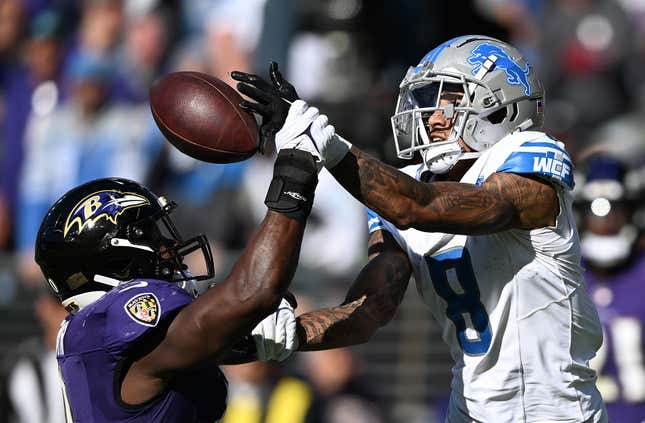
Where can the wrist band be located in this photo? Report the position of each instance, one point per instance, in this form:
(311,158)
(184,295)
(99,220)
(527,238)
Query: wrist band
(292,188)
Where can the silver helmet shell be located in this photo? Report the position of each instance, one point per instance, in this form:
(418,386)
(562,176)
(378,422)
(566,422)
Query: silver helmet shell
(502,94)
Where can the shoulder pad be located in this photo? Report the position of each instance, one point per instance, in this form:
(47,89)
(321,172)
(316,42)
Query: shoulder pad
(538,154)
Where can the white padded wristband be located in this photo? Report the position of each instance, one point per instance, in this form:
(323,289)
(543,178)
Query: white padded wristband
(334,150)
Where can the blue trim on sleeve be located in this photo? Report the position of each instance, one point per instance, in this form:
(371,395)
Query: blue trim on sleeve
(374,221)
(544,144)
(544,164)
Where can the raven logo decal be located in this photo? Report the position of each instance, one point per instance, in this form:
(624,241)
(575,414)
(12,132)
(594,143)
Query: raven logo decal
(515,75)
(144,309)
(101,205)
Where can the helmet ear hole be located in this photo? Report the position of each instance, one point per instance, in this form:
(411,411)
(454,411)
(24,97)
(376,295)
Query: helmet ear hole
(498,116)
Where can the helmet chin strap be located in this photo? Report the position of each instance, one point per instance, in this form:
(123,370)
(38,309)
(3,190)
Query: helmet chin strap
(76,302)
(446,157)
(442,156)
(194,287)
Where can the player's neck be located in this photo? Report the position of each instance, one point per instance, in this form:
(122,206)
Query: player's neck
(457,172)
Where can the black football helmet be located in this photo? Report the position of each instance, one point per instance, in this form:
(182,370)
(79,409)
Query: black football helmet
(109,231)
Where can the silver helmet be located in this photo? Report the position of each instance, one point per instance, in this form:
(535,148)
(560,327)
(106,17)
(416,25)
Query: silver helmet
(501,94)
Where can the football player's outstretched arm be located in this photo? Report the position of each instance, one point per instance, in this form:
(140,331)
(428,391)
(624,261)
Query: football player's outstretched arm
(209,326)
(370,303)
(504,201)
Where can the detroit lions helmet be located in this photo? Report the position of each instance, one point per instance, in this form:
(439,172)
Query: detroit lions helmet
(110,231)
(501,94)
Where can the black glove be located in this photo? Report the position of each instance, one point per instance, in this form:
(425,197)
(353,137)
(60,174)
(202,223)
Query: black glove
(273,100)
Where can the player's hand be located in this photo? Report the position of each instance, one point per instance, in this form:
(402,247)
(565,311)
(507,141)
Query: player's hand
(319,139)
(275,337)
(272,100)
(302,125)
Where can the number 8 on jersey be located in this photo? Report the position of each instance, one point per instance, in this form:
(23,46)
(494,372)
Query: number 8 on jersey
(454,280)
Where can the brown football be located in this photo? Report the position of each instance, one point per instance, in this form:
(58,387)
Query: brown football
(200,115)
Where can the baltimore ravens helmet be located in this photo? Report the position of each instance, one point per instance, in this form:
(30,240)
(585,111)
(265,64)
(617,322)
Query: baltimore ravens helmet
(501,94)
(110,231)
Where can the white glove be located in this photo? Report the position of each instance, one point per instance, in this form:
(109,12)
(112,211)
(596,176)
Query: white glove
(306,129)
(275,336)
(294,132)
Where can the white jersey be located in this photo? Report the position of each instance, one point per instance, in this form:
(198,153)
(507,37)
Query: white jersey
(512,305)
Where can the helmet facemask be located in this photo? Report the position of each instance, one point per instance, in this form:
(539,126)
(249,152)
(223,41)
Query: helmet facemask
(421,97)
(163,250)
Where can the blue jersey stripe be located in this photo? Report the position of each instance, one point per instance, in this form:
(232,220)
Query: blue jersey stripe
(545,151)
(544,144)
(374,221)
(545,164)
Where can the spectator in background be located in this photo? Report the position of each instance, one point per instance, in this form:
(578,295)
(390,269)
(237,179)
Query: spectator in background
(100,27)
(587,51)
(232,33)
(340,395)
(86,138)
(328,60)
(30,387)
(32,87)
(615,269)
(520,18)
(629,150)
(622,138)
(260,393)
(220,38)
(228,30)
(334,241)
(194,15)
(209,198)
(11,27)
(141,57)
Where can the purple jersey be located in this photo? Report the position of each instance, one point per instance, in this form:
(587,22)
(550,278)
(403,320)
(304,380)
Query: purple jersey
(620,361)
(96,345)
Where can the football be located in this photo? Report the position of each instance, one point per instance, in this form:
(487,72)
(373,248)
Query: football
(200,115)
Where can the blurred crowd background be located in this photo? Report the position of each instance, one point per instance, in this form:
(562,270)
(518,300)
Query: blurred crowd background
(74,79)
